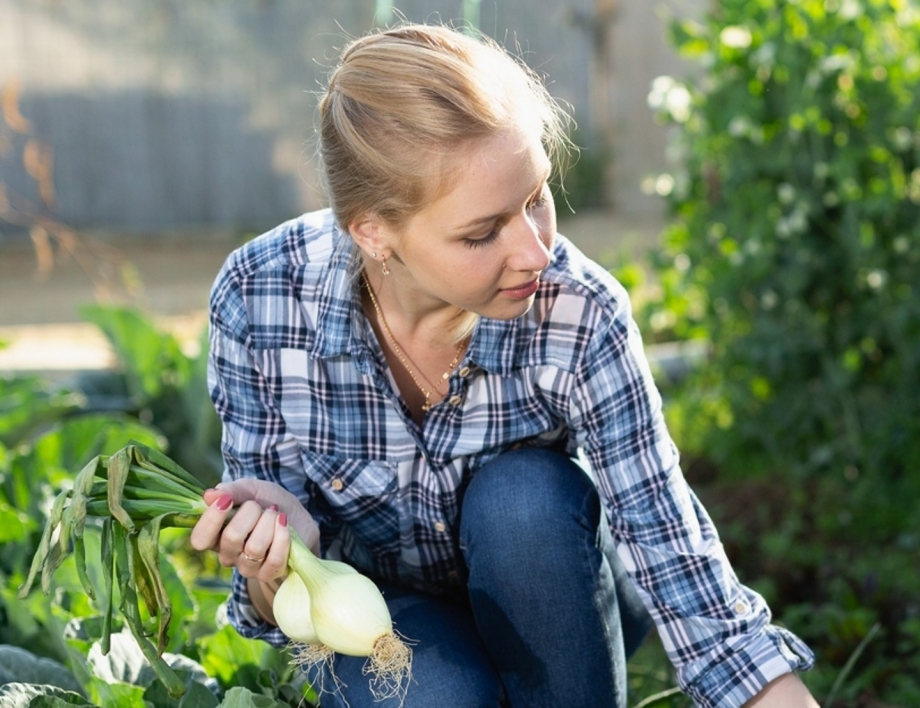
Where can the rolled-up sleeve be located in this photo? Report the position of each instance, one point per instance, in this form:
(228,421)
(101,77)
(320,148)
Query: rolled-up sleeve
(716,631)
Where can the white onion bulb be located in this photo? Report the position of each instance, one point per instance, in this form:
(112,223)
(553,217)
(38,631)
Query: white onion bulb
(347,614)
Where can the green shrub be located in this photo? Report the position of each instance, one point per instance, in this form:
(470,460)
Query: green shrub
(794,249)
(795,243)
(51,649)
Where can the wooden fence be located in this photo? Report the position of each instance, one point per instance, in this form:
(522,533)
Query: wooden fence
(172,114)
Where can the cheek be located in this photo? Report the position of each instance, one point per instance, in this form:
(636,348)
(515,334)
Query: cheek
(475,272)
(479,266)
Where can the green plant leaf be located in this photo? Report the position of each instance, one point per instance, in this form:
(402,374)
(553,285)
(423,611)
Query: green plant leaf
(29,695)
(20,666)
(14,524)
(150,357)
(238,697)
(126,663)
(197,695)
(225,655)
(27,404)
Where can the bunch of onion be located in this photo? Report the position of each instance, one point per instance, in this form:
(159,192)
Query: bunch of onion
(137,492)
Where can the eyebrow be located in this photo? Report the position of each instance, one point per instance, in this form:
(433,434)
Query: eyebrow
(492,217)
(481,220)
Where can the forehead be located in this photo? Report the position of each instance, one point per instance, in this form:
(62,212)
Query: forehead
(494,171)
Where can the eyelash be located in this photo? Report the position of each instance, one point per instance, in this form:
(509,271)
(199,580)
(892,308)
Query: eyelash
(480,242)
(538,202)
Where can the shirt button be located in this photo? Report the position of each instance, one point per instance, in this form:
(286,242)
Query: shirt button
(440,527)
(740,607)
(465,371)
(337,484)
(455,400)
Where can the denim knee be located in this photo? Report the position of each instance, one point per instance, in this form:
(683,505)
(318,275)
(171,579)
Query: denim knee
(543,580)
(534,511)
(527,491)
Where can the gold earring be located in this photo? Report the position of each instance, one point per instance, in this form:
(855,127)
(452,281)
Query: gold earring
(384,268)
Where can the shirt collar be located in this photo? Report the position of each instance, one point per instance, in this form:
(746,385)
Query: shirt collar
(340,326)
(492,346)
(502,346)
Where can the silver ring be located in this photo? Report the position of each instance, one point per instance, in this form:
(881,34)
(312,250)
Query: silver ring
(251,559)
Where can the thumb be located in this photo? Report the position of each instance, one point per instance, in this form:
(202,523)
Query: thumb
(239,490)
(263,492)
(212,495)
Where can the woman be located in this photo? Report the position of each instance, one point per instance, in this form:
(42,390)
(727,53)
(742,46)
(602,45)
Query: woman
(409,380)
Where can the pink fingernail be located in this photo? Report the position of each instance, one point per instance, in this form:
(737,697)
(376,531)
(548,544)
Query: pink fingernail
(273,507)
(225,502)
(282,519)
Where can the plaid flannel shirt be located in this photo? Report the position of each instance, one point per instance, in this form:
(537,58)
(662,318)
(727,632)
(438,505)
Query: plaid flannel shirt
(306,401)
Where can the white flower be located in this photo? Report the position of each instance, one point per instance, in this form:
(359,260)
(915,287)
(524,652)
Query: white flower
(786,193)
(664,185)
(671,96)
(902,138)
(876,279)
(735,37)
(739,126)
(660,87)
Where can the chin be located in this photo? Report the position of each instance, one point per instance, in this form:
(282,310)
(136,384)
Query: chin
(509,311)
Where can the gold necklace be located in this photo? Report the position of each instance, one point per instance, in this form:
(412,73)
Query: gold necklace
(403,359)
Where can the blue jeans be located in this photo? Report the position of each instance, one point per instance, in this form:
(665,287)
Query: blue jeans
(551,616)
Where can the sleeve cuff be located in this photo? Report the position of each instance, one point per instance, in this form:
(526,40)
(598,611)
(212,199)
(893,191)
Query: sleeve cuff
(743,671)
(246,621)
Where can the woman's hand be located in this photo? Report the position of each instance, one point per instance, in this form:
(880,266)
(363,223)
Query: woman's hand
(256,539)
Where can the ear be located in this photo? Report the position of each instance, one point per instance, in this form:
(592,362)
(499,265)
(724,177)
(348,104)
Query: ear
(370,234)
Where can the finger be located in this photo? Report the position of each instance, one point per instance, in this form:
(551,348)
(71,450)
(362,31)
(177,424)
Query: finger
(207,531)
(236,531)
(276,558)
(256,546)
(268,493)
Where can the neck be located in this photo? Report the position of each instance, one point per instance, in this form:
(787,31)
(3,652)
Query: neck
(412,315)
(421,365)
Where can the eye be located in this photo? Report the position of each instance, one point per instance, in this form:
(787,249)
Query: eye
(540,200)
(484,241)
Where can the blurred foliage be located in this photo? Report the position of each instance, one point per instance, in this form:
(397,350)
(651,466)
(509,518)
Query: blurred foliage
(50,651)
(157,382)
(793,249)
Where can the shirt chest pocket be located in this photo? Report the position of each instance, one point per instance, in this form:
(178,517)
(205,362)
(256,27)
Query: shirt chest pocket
(358,494)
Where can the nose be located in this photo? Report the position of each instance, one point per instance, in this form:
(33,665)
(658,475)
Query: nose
(530,245)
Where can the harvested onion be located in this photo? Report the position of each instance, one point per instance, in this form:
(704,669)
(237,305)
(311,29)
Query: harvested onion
(336,609)
(137,492)
(292,611)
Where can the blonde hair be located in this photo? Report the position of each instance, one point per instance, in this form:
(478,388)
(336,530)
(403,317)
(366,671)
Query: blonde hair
(404,102)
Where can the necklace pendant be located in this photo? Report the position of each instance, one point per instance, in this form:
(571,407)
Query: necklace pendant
(426,406)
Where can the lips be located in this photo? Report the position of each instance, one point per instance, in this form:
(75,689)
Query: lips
(522,292)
